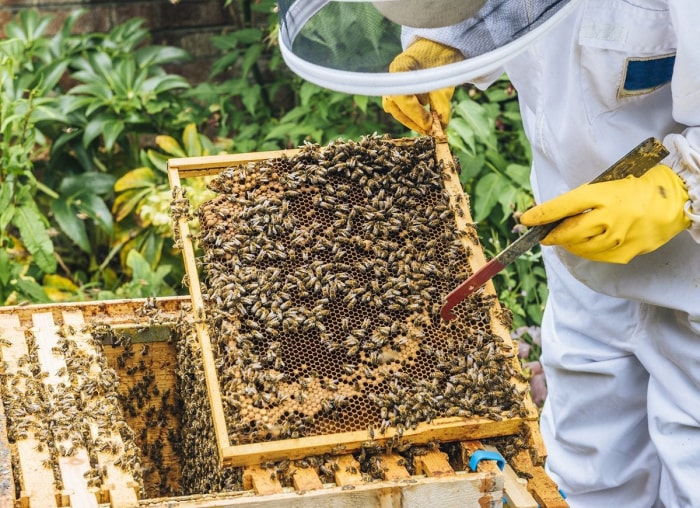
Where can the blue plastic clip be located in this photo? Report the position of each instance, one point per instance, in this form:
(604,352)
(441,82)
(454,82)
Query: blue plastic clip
(480,455)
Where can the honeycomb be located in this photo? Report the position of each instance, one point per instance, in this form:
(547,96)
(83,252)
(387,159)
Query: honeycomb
(323,278)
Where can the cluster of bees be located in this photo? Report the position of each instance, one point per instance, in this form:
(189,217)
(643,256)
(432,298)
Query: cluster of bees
(324,275)
(82,411)
(172,424)
(370,459)
(149,410)
(199,454)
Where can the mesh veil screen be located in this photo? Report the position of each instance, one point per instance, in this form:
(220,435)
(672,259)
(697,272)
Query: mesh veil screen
(348,45)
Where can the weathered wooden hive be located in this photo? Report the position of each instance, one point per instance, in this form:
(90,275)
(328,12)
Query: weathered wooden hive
(308,366)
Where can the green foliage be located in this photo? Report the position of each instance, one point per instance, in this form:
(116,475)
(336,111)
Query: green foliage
(486,135)
(88,122)
(61,149)
(142,204)
(123,86)
(83,196)
(145,280)
(27,249)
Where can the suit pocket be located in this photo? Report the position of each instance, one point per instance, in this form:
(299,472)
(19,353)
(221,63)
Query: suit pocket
(627,53)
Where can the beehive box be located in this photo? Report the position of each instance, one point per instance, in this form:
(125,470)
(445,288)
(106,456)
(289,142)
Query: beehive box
(103,405)
(318,296)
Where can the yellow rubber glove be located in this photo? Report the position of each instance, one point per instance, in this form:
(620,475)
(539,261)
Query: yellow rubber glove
(617,220)
(409,109)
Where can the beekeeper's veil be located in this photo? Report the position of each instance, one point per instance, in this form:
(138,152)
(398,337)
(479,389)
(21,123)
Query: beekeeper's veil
(347,45)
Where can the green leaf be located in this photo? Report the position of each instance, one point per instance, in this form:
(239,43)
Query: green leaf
(160,84)
(111,131)
(170,146)
(6,215)
(123,78)
(519,174)
(102,64)
(98,90)
(159,161)
(361,102)
(223,63)
(465,133)
(507,197)
(95,128)
(306,92)
(69,222)
(127,201)
(191,142)
(477,118)
(51,74)
(134,179)
(5,270)
(152,248)
(250,98)
(94,207)
(89,182)
(35,237)
(31,290)
(486,196)
(5,196)
(250,57)
(157,55)
(43,113)
(140,268)
(72,103)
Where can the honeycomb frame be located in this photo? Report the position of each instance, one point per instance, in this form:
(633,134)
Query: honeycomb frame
(449,428)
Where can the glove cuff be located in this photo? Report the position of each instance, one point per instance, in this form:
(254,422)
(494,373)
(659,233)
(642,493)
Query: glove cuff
(690,213)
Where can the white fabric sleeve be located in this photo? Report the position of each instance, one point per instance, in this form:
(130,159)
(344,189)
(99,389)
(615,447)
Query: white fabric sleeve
(685,147)
(684,158)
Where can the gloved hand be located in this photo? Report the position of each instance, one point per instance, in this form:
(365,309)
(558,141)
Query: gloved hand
(409,109)
(617,220)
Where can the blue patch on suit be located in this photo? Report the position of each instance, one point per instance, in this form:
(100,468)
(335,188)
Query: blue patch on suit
(648,74)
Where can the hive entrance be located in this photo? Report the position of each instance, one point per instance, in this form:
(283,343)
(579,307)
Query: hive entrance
(322,279)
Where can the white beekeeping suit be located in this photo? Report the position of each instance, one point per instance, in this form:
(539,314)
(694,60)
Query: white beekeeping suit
(621,337)
(622,419)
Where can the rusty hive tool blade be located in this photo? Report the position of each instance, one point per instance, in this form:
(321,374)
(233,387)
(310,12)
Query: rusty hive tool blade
(638,161)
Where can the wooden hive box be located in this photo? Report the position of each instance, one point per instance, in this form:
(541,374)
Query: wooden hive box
(307,202)
(42,339)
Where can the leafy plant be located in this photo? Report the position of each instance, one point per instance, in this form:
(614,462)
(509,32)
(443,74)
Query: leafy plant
(82,197)
(142,204)
(486,136)
(145,281)
(123,87)
(62,148)
(26,248)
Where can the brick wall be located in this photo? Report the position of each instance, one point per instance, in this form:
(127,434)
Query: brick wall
(187,24)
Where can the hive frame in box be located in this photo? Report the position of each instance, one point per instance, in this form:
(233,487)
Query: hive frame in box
(440,429)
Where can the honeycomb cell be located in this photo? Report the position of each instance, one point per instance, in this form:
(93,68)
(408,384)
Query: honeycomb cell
(324,275)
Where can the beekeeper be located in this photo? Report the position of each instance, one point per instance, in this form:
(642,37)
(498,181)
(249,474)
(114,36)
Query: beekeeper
(621,329)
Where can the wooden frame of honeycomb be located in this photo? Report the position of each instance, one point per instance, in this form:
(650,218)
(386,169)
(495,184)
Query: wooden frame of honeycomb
(443,428)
